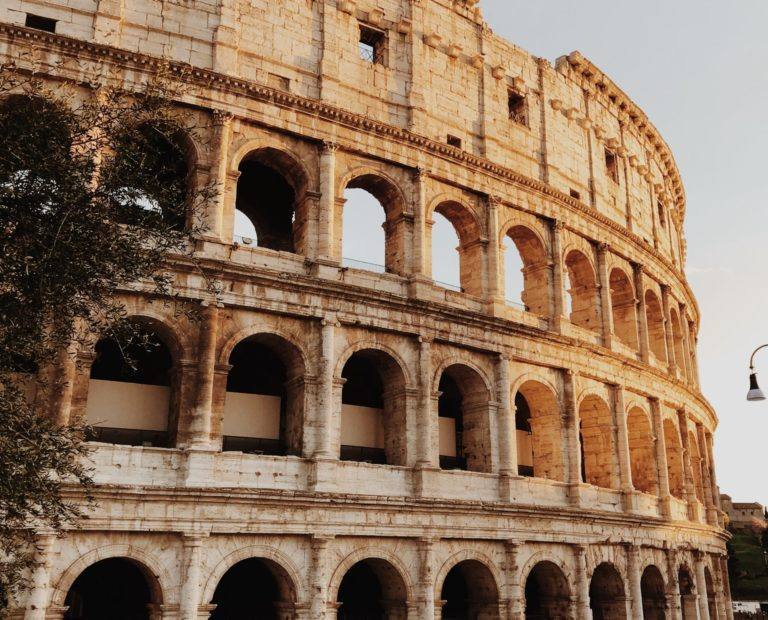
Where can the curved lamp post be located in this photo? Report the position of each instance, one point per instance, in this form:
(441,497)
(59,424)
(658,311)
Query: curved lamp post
(755,393)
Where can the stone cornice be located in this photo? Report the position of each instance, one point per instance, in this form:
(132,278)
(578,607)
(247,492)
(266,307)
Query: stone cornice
(210,79)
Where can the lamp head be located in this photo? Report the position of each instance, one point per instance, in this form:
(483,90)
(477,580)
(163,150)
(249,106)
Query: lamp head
(755,393)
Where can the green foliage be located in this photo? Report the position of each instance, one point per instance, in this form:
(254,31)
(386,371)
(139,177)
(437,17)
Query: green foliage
(95,195)
(747,566)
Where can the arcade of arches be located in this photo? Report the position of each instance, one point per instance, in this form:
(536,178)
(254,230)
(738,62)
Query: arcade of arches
(375,588)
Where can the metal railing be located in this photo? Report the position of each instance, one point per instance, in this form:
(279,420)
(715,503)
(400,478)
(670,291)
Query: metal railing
(353,263)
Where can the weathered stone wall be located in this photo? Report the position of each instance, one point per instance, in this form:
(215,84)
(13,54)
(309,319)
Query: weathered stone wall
(617,376)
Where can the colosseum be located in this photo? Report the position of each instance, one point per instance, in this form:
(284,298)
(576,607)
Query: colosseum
(336,440)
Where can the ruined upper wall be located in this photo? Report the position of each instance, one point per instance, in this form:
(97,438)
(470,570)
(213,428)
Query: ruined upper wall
(442,72)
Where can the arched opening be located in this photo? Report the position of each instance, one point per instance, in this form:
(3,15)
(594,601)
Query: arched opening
(652,590)
(270,201)
(373,409)
(470,251)
(677,340)
(606,594)
(539,432)
(445,261)
(547,594)
(469,591)
(696,465)
(463,410)
(264,405)
(372,590)
(596,432)
(149,175)
(656,337)
(624,308)
(581,286)
(113,588)
(370,199)
(674,452)
(527,272)
(711,595)
(688,603)
(641,453)
(131,390)
(254,588)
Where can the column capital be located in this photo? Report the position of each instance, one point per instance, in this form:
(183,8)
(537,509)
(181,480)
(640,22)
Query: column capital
(222,117)
(604,247)
(329,146)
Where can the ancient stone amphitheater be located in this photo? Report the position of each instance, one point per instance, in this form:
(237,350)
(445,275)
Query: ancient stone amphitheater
(336,441)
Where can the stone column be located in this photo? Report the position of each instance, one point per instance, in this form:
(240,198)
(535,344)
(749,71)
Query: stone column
(199,429)
(426,454)
(717,578)
(694,359)
(190,602)
(558,286)
(622,443)
(61,385)
(726,587)
(672,363)
(420,248)
(686,365)
(689,481)
(326,217)
(673,589)
(108,21)
(606,308)
(495,287)
(701,585)
(425,597)
(516,608)
(39,593)
(507,436)
(213,223)
(634,577)
(642,315)
(582,611)
(319,576)
(573,441)
(662,469)
(706,481)
(713,477)
(324,421)
(419,79)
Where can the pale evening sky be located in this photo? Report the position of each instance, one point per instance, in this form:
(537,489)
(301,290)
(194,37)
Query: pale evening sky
(699,69)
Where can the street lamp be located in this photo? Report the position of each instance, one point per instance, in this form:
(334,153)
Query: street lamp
(755,393)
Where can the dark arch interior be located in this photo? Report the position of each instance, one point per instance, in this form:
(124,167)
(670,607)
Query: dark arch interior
(449,405)
(363,387)
(688,603)
(266,198)
(115,588)
(524,429)
(546,593)
(606,594)
(258,369)
(252,588)
(652,589)
(469,591)
(371,590)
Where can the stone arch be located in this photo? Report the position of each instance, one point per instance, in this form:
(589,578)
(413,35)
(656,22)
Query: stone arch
(264,411)
(159,578)
(653,591)
(597,445)
(642,455)
(533,253)
(465,398)
(545,427)
(623,307)
(280,218)
(472,243)
(607,596)
(259,552)
(391,198)
(709,583)
(582,289)
(388,568)
(694,455)
(253,583)
(674,449)
(361,345)
(657,339)
(473,581)
(373,425)
(546,589)
(299,346)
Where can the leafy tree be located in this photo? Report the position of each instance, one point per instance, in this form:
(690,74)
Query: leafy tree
(95,194)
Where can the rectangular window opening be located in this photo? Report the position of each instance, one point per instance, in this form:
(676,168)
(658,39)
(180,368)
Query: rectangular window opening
(575,194)
(371,45)
(518,112)
(612,165)
(454,141)
(662,219)
(40,23)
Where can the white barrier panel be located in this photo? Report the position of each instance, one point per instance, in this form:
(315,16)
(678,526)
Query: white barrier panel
(447,436)
(362,427)
(115,404)
(252,415)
